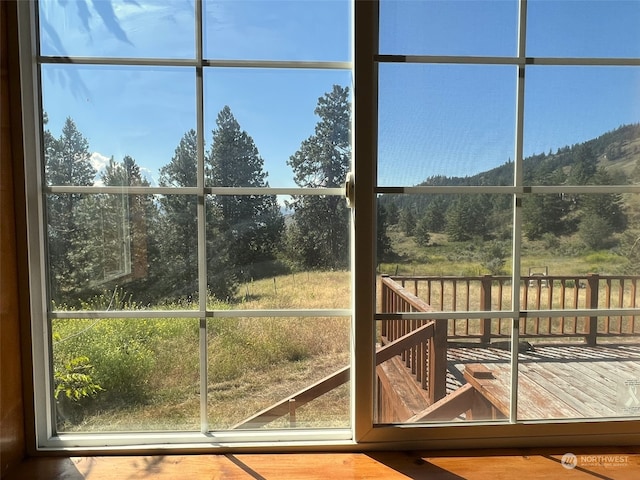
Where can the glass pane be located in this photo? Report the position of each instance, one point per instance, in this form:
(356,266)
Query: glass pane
(109,252)
(569,28)
(123,375)
(433,373)
(117,28)
(274,117)
(446,125)
(267,252)
(584,117)
(449,27)
(317,30)
(579,253)
(587,367)
(442,248)
(261,371)
(94,114)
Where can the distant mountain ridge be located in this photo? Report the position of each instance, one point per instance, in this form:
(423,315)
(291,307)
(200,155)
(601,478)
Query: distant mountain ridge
(618,151)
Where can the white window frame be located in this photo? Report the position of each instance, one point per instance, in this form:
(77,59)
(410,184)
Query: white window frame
(364,434)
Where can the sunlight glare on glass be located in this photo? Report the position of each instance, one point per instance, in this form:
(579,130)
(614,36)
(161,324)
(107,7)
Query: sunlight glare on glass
(117,28)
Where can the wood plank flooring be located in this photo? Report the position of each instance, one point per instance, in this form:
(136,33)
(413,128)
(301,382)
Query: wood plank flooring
(603,463)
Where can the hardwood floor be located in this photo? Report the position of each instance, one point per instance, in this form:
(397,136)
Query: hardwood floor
(603,463)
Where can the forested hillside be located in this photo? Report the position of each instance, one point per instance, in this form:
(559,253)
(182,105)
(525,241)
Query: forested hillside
(413,227)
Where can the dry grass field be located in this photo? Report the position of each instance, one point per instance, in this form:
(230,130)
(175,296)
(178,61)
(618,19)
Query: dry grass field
(148,370)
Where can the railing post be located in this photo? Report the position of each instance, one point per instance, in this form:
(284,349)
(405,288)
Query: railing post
(593,281)
(438,361)
(485,304)
(384,292)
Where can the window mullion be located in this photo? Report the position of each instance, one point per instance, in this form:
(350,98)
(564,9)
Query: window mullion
(517,206)
(363,224)
(202,227)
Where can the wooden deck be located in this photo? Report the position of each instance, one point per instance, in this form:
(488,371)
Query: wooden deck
(554,381)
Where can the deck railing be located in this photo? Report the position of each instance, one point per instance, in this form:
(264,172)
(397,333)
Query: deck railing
(422,344)
(427,361)
(493,293)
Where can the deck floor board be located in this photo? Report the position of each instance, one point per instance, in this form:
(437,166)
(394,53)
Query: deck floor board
(556,381)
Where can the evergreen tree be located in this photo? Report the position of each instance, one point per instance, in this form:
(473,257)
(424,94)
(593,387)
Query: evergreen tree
(392,213)
(584,166)
(179,237)
(601,215)
(421,232)
(546,213)
(468,217)
(435,215)
(383,243)
(407,221)
(543,214)
(68,162)
(252,223)
(319,237)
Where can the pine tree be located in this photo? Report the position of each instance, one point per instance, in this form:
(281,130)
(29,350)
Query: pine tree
(319,237)
(383,242)
(253,224)
(546,213)
(421,232)
(179,229)
(68,162)
(584,166)
(601,215)
(407,221)
(468,217)
(435,215)
(392,213)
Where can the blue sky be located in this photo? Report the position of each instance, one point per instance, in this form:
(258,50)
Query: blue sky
(434,119)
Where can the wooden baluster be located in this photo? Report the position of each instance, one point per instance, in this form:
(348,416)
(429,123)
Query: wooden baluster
(467,307)
(576,290)
(633,305)
(607,302)
(550,283)
(620,301)
(563,294)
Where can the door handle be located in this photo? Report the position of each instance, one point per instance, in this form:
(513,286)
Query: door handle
(349,189)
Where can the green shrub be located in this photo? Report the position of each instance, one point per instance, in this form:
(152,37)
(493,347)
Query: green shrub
(75,380)
(123,355)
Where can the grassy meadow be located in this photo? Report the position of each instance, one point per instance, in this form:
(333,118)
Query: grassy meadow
(144,374)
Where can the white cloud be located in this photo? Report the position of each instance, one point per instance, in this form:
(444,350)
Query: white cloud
(99,161)
(148,174)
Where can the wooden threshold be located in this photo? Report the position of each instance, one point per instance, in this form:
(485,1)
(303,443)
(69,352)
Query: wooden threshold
(595,463)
